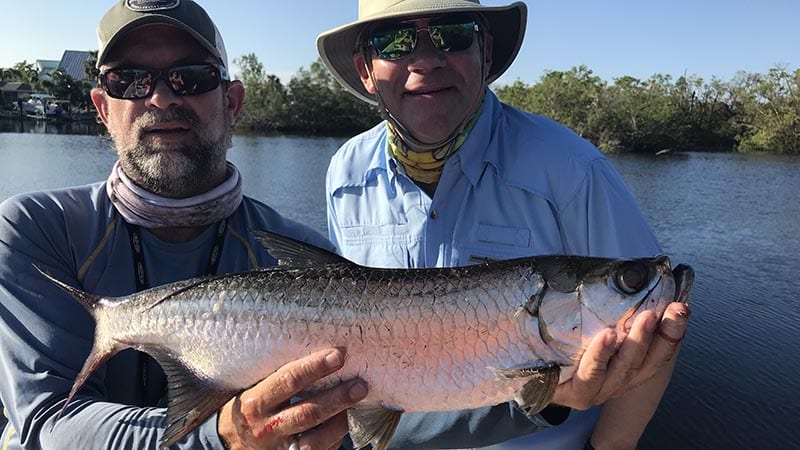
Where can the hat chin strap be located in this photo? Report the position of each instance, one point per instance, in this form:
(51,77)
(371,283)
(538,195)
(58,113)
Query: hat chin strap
(405,134)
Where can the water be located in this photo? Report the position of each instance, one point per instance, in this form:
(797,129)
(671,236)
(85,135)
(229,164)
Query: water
(734,218)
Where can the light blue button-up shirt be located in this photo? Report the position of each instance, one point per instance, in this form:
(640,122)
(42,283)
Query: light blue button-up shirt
(520,185)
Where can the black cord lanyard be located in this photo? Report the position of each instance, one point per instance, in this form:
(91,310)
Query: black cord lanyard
(140,275)
(139,271)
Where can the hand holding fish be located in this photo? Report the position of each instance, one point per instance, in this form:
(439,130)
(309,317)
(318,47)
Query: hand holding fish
(261,417)
(615,364)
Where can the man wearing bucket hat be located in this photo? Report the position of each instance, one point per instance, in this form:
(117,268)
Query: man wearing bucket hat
(172,209)
(455,177)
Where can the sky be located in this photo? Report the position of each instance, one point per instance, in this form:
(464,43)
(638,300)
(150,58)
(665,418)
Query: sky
(613,38)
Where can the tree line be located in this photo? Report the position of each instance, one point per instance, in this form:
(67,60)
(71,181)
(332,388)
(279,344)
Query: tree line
(752,112)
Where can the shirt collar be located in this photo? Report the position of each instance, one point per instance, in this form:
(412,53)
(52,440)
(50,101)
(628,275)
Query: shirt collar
(478,149)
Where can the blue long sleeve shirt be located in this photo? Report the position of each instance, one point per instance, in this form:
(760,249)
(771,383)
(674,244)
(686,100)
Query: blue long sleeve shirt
(45,335)
(520,185)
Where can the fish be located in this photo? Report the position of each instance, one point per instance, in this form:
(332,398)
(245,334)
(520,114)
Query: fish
(424,340)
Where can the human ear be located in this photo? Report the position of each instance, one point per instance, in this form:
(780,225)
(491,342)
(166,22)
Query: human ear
(363,72)
(100,101)
(235,99)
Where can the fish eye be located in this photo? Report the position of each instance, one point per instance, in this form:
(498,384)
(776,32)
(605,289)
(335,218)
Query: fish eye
(631,277)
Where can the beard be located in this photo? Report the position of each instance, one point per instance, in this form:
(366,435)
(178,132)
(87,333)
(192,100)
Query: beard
(174,170)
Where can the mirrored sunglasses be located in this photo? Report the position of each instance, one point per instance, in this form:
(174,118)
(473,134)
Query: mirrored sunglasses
(136,83)
(395,41)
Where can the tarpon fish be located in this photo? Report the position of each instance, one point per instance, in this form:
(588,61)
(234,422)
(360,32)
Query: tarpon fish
(439,339)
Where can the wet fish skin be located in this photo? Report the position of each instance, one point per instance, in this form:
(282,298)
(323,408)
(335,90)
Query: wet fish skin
(423,339)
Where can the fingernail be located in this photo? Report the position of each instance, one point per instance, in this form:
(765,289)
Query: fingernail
(650,324)
(358,390)
(334,359)
(683,311)
(611,339)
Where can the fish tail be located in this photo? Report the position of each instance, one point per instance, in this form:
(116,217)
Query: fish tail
(86,299)
(102,351)
(104,346)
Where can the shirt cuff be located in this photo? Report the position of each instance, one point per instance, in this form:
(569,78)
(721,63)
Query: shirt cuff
(209,435)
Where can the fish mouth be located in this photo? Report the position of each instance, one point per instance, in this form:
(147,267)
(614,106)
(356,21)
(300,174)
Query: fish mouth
(684,278)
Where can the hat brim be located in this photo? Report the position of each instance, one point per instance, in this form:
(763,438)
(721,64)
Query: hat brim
(506,25)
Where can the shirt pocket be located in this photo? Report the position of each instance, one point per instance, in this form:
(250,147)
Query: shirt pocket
(494,243)
(377,245)
(494,235)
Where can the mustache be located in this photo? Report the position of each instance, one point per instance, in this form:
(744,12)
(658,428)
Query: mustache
(152,118)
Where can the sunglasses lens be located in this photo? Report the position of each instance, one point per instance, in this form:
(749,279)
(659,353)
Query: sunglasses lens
(128,83)
(134,84)
(397,41)
(394,42)
(194,79)
(453,37)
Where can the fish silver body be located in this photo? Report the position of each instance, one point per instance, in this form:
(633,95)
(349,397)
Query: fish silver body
(423,339)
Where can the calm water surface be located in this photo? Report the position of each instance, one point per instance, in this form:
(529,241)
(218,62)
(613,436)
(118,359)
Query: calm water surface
(733,217)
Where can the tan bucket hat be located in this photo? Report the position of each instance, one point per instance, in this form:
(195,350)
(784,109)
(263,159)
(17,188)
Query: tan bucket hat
(336,47)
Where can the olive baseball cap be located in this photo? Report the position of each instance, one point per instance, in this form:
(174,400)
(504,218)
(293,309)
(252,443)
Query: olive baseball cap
(186,15)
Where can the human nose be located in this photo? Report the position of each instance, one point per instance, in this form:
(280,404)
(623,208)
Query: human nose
(425,55)
(163,97)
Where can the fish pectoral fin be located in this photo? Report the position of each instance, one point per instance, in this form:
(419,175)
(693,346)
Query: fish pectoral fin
(294,253)
(191,399)
(374,425)
(525,370)
(536,394)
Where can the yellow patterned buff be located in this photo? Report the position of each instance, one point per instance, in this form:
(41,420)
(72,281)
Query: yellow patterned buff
(426,167)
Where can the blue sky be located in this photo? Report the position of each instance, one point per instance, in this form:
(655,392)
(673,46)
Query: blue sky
(711,38)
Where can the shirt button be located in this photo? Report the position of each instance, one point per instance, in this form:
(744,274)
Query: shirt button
(434,214)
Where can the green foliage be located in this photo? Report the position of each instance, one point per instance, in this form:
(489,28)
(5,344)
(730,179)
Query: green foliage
(770,111)
(265,97)
(62,86)
(752,113)
(24,72)
(320,105)
(312,103)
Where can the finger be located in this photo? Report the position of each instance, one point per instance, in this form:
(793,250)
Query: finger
(666,341)
(626,364)
(287,381)
(581,390)
(317,409)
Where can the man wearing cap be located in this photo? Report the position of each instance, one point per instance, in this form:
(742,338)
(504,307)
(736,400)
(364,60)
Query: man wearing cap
(171,209)
(455,177)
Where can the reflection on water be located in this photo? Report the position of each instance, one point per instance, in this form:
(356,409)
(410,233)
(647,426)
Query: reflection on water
(90,127)
(734,218)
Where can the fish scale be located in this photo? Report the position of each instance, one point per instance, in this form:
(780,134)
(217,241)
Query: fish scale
(424,340)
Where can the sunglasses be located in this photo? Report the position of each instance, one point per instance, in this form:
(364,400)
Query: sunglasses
(132,83)
(398,40)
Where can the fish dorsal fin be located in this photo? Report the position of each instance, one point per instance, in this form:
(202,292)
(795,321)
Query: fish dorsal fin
(191,399)
(291,252)
(374,425)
